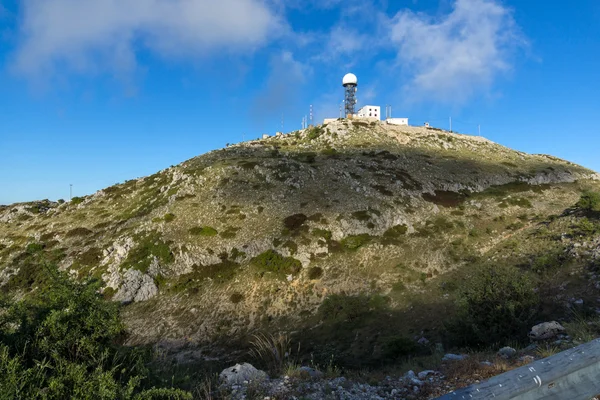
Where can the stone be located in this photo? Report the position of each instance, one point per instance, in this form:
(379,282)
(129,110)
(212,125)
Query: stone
(241,374)
(136,287)
(424,374)
(507,352)
(546,330)
(423,341)
(454,357)
(311,372)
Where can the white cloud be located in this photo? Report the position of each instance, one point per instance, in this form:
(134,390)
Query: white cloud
(92,35)
(279,95)
(458,56)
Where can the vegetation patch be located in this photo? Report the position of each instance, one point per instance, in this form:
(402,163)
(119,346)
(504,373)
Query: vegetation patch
(203,231)
(271,261)
(169,217)
(354,242)
(78,232)
(294,222)
(230,232)
(394,234)
(445,198)
(220,273)
(315,273)
(589,201)
(148,245)
(489,298)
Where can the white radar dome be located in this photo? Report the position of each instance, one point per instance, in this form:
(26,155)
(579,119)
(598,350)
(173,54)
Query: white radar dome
(350,79)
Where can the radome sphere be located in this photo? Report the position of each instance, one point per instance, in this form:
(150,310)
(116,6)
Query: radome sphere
(350,79)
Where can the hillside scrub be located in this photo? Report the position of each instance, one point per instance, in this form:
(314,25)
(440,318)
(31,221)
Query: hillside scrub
(62,342)
(589,201)
(496,304)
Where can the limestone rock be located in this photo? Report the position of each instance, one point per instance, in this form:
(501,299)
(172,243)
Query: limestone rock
(546,330)
(136,287)
(241,373)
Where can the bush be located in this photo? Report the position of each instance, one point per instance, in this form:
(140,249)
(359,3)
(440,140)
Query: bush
(589,201)
(496,304)
(294,222)
(169,217)
(62,342)
(354,242)
(203,231)
(315,273)
(272,261)
(77,200)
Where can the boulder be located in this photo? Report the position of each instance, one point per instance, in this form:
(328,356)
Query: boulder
(546,330)
(507,352)
(241,373)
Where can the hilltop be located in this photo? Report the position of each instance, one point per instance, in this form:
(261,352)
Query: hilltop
(354,236)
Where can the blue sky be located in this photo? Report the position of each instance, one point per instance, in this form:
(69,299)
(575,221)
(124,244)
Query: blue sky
(97,92)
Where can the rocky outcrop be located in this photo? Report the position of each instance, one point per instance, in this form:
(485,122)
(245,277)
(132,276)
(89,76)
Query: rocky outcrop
(136,287)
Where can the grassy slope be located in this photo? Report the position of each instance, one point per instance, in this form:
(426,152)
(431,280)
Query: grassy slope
(397,214)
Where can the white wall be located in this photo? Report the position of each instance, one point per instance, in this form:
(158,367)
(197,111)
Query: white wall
(397,121)
(370,111)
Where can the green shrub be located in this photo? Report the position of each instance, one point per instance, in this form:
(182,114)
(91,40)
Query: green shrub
(62,343)
(322,233)
(147,246)
(77,200)
(585,227)
(495,304)
(203,231)
(236,298)
(395,347)
(272,261)
(589,201)
(169,217)
(315,273)
(294,222)
(354,242)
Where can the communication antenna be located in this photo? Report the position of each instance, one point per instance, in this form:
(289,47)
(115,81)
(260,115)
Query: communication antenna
(311,115)
(350,83)
(70,191)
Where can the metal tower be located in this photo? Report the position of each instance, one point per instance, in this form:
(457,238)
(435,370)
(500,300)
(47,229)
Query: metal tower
(350,83)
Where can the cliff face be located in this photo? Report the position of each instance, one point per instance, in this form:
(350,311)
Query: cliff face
(259,234)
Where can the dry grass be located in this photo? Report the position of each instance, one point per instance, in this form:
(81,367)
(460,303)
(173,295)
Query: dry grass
(272,350)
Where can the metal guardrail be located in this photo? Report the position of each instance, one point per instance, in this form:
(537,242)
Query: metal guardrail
(573,374)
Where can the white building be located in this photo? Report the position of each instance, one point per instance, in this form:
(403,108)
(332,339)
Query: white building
(397,121)
(370,112)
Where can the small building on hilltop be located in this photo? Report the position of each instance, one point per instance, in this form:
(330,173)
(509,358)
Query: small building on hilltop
(370,112)
(397,121)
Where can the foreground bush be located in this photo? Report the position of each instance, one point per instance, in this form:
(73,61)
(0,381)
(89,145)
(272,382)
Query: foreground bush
(496,304)
(62,342)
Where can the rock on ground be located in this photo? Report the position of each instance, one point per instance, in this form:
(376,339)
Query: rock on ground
(241,373)
(546,330)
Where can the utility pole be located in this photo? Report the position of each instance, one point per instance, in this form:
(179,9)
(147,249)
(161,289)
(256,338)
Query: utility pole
(311,115)
(282,122)
(450,124)
(479,129)
(70,191)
